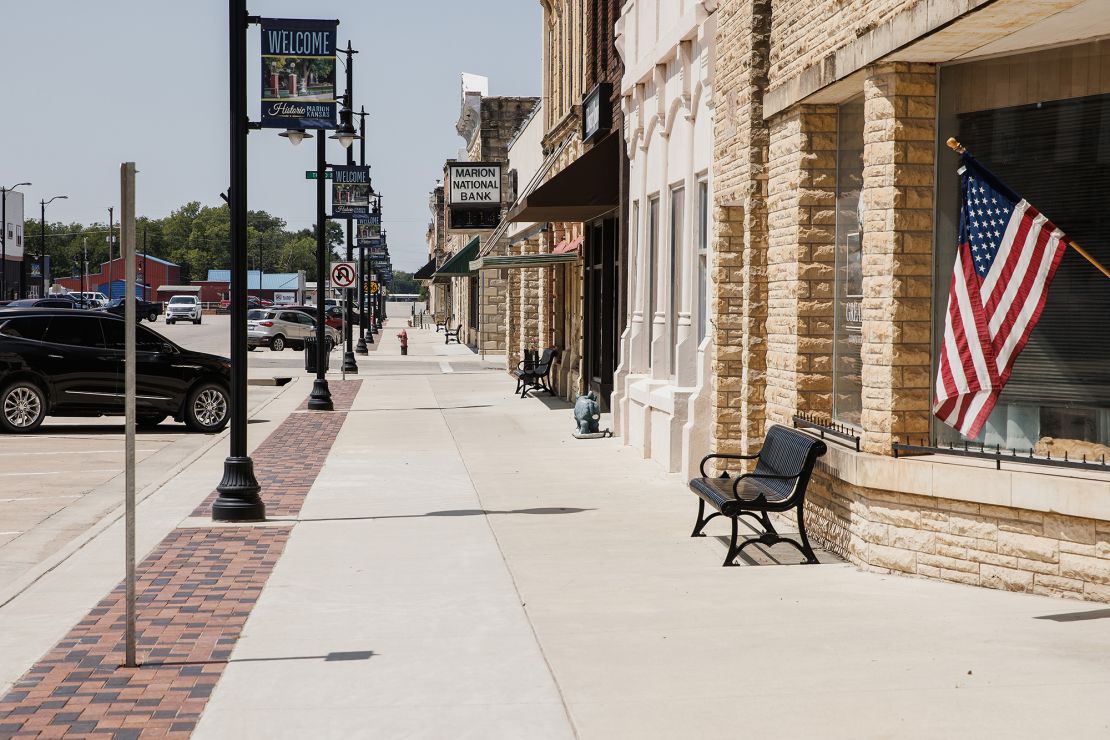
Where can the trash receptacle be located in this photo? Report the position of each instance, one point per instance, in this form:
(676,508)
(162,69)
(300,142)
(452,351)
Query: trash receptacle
(310,356)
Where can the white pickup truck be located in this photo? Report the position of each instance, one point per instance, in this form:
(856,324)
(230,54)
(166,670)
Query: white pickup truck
(183,308)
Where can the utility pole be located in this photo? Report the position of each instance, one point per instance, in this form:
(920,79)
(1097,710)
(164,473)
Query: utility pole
(111,247)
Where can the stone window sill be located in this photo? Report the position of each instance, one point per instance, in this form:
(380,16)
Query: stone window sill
(1069,492)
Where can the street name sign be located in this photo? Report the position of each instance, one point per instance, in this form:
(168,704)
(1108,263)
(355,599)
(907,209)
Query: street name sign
(311,175)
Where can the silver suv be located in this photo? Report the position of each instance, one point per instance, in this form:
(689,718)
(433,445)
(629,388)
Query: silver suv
(279,328)
(183,308)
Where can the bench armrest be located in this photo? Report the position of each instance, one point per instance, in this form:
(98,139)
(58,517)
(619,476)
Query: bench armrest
(723,456)
(765,476)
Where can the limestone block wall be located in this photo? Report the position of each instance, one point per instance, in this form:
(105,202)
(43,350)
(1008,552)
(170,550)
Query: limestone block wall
(800,261)
(976,544)
(897,195)
(739,273)
(803,32)
(493,322)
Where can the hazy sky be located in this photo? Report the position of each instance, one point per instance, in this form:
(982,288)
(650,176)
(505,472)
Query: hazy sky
(88,85)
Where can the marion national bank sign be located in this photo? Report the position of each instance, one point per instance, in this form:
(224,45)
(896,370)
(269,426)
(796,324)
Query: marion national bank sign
(474,195)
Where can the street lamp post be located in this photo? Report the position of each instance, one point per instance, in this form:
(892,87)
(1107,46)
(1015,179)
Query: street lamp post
(42,242)
(111,246)
(346,128)
(320,398)
(4,236)
(363,299)
(238,498)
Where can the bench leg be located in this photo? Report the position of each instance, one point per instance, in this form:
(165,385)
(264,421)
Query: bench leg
(699,525)
(733,550)
(806,549)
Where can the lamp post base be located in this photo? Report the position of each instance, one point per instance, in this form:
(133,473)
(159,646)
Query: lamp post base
(320,398)
(238,499)
(360,346)
(349,364)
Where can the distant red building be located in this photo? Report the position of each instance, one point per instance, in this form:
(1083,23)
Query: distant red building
(151,274)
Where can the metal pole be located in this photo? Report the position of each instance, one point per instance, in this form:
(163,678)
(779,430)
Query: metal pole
(4,243)
(349,364)
(320,398)
(42,250)
(146,275)
(111,250)
(127,231)
(238,498)
(84,267)
(360,348)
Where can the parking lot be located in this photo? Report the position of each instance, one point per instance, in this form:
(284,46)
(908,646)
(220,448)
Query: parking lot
(61,479)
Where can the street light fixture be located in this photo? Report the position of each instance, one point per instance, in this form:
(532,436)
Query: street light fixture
(296,135)
(42,243)
(4,236)
(346,134)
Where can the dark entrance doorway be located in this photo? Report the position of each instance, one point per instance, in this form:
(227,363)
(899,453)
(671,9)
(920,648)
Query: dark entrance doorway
(601,258)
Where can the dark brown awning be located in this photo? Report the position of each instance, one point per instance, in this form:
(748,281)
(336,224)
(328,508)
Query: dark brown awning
(426,272)
(587,188)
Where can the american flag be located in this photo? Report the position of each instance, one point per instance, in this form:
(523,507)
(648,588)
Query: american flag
(1006,259)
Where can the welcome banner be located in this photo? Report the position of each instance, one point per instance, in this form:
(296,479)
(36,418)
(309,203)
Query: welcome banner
(298,73)
(350,191)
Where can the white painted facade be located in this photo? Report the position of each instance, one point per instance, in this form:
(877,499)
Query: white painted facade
(525,160)
(661,391)
(13,247)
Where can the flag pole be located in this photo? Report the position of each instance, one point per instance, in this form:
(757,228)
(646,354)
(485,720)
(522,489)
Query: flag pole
(957,147)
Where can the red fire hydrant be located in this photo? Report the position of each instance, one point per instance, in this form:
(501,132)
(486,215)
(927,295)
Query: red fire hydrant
(404,337)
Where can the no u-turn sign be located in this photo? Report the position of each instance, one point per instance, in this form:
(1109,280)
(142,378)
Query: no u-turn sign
(344,274)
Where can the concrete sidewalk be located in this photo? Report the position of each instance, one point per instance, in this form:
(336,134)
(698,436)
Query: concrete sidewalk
(462,567)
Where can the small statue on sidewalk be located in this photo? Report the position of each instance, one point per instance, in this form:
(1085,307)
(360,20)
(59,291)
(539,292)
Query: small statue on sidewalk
(587,413)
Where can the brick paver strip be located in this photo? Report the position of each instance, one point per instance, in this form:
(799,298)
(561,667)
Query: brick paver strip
(195,592)
(289,460)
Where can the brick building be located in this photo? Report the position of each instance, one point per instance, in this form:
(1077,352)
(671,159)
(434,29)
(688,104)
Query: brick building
(835,203)
(151,273)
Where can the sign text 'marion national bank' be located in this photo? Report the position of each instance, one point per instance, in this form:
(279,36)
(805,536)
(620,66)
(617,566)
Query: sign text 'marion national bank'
(474,184)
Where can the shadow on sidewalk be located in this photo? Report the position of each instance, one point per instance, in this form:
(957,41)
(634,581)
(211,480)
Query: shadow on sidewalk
(453,512)
(327,658)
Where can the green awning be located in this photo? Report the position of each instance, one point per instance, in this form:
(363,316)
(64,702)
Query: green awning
(522,261)
(458,264)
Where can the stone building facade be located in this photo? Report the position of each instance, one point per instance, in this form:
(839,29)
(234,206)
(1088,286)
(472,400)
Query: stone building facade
(662,397)
(835,210)
(477,302)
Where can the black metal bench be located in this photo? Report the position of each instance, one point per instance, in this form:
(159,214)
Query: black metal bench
(449,334)
(778,483)
(535,375)
(442,325)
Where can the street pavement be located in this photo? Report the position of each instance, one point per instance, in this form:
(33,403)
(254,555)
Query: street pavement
(443,560)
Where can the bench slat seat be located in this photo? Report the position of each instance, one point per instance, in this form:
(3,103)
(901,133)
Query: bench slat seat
(778,483)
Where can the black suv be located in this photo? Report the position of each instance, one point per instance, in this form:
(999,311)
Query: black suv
(59,362)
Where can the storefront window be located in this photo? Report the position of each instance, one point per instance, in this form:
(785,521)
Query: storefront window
(703,258)
(848,329)
(674,288)
(1055,153)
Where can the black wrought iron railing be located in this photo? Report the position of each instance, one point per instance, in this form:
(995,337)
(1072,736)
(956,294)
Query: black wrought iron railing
(999,455)
(826,428)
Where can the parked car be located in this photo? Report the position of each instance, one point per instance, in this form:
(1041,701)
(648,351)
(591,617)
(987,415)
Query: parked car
(92,299)
(333,314)
(183,308)
(52,302)
(253,301)
(278,329)
(143,309)
(70,363)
